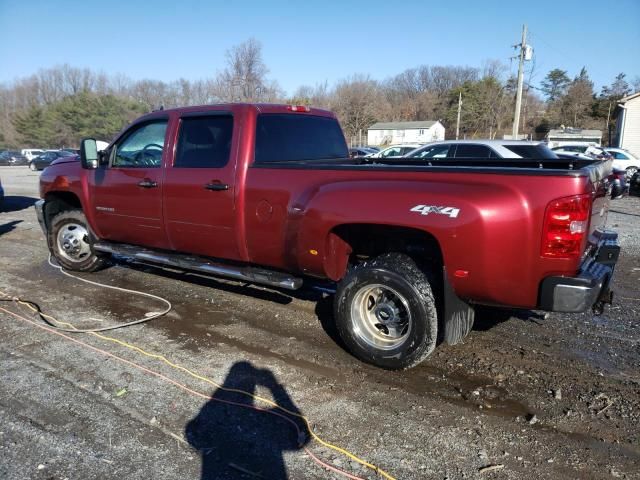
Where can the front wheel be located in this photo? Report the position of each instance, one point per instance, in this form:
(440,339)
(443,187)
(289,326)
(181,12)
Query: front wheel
(32,167)
(70,239)
(385,312)
(630,172)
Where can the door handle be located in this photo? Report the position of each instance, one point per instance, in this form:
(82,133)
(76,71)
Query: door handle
(147,183)
(216,186)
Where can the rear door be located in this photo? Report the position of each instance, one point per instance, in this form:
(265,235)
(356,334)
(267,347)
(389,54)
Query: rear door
(127,193)
(200,185)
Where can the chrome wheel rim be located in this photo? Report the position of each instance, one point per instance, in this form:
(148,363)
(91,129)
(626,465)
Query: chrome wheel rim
(630,172)
(73,242)
(381,317)
(32,167)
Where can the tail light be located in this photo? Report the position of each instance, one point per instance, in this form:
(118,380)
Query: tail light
(566,223)
(298,108)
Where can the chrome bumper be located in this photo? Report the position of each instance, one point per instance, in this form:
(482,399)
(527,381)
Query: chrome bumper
(591,286)
(39,206)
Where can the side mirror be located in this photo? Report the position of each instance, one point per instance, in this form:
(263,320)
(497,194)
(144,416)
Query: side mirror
(89,153)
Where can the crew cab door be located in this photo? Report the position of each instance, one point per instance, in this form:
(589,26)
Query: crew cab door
(126,194)
(200,184)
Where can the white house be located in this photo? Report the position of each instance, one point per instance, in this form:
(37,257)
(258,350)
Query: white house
(390,133)
(628,124)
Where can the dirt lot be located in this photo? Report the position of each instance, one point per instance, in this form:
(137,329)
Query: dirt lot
(530,397)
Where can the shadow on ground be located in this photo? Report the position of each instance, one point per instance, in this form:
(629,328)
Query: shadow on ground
(9,226)
(14,203)
(239,439)
(489,317)
(323,301)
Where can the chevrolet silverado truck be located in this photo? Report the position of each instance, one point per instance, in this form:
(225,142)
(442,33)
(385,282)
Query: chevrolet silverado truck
(267,194)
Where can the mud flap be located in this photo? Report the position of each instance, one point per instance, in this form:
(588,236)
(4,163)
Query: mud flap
(458,315)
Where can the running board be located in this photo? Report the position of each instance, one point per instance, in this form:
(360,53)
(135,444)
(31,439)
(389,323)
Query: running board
(203,265)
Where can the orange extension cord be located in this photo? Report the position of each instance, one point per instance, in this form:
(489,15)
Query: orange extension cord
(200,394)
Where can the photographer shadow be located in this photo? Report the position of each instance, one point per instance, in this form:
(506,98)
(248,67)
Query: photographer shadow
(239,438)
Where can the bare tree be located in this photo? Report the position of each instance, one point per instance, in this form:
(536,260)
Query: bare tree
(358,102)
(245,77)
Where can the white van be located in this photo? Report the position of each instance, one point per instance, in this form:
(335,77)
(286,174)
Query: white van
(31,153)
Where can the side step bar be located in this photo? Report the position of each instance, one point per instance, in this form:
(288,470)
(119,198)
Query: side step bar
(203,265)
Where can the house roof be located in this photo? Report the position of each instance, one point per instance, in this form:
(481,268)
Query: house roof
(574,132)
(629,97)
(403,125)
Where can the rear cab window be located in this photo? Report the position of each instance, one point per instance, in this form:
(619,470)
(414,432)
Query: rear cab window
(290,137)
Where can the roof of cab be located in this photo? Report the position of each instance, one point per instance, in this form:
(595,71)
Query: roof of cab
(260,107)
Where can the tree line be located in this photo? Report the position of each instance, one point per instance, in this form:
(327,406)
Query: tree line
(55,107)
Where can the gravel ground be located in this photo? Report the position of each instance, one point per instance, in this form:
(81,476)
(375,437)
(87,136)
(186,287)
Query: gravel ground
(527,396)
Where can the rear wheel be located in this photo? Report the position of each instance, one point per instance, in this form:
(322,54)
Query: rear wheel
(70,239)
(385,312)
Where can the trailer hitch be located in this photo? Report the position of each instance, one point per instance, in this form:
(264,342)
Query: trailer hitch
(605,298)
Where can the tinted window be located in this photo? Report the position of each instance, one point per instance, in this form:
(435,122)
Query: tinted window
(292,137)
(405,150)
(531,151)
(433,151)
(142,147)
(204,142)
(619,155)
(391,152)
(468,150)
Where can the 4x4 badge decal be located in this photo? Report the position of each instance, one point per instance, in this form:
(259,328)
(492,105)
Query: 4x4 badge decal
(452,212)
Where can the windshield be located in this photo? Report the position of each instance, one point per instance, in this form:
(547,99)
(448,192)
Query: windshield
(531,151)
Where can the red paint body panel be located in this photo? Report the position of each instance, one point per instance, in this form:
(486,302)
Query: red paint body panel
(276,216)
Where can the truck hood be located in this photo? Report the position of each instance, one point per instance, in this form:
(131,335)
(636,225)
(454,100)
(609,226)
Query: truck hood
(58,161)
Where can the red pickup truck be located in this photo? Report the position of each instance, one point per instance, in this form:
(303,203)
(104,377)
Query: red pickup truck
(268,194)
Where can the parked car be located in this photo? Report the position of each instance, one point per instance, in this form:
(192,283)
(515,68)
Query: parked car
(75,151)
(266,194)
(358,152)
(31,153)
(44,160)
(12,158)
(624,160)
(483,149)
(634,183)
(1,194)
(395,150)
(591,150)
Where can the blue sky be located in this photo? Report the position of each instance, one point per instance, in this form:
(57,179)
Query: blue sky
(308,41)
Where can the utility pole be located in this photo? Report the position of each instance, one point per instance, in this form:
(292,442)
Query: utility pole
(459,110)
(608,125)
(516,116)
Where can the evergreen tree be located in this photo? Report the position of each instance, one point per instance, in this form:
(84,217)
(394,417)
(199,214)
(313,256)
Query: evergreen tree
(555,84)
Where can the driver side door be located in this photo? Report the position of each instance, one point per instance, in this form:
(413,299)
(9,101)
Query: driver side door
(127,193)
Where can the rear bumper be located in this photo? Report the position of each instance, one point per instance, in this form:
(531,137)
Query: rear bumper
(39,206)
(590,286)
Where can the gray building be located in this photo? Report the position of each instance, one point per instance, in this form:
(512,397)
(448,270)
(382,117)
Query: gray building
(566,135)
